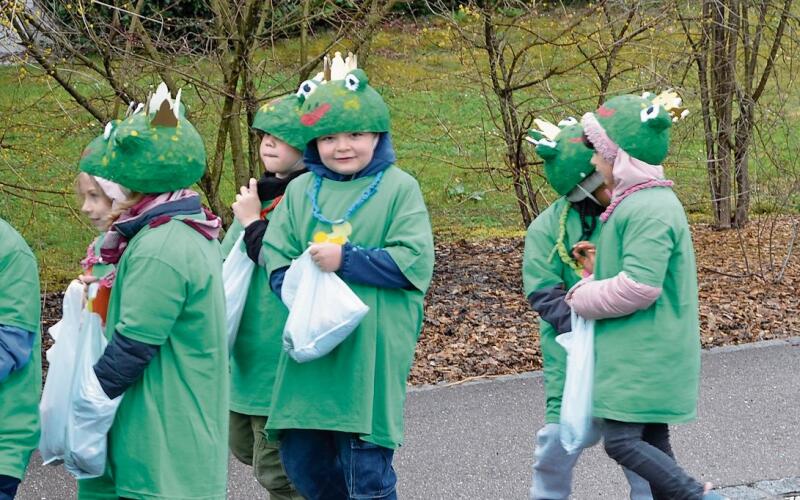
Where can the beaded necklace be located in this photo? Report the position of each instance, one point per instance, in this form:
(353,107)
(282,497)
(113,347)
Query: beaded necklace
(313,195)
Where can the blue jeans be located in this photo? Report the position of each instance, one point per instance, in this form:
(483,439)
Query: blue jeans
(645,449)
(331,465)
(8,487)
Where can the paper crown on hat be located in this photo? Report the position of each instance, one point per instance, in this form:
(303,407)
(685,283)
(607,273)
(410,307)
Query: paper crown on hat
(340,99)
(566,157)
(637,124)
(152,151)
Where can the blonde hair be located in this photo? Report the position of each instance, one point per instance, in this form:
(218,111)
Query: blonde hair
(121,207)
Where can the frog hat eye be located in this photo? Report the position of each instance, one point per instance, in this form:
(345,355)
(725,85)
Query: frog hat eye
(306,89)
(567,122)
(650,113)
(351,82)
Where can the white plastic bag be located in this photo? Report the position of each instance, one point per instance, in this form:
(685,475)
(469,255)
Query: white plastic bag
(91,412)
(55,403)
(237,270)
(578,430)
(323,310)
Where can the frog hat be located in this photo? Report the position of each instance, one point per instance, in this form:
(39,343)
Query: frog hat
(344,102)
(156,151)
(567,160)
(281,118)
(638,125)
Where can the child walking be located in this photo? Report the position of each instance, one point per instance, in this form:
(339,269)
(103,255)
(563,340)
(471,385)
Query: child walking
(255,354)
(643,296)
(340,417)
(548,271)
(20,358)
(167,355)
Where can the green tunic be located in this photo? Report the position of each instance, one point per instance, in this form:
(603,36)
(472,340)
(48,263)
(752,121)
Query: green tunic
(19,393)
(648,363)
(255,354)
(169,438)
(541,268)
(360,387)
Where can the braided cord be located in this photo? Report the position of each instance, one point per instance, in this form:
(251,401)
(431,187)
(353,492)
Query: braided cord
(560,247)
(313,195)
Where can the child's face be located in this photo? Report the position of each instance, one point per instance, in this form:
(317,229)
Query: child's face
(347,153)
(278,157)
(605,169)
(96,205)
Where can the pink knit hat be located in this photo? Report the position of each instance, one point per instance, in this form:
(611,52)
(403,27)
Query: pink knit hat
(114,191)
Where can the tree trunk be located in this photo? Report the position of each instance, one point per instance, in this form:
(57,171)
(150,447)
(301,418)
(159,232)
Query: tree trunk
(723,80)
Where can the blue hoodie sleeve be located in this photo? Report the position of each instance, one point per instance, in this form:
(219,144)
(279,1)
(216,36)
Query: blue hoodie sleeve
(371,266)
(276,280)
(16,346)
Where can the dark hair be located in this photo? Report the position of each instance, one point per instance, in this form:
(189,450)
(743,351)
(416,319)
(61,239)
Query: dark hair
(588,211)
(586,141)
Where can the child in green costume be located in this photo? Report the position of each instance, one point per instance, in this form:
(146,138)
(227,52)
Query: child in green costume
(548,271)
(167,357)
(643,295)
(254,356)
(340,417)
(20,358)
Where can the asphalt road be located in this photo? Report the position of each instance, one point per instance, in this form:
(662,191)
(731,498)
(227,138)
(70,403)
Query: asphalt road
(475,440)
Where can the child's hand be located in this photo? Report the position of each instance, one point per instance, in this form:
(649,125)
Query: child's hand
(87,279)
(328,256)
(247,207)
(584,252)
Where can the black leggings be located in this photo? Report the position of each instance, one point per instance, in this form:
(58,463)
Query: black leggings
(645,449)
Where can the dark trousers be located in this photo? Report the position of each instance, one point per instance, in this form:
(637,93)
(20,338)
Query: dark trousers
(8,487)
(645,449)
(330,465)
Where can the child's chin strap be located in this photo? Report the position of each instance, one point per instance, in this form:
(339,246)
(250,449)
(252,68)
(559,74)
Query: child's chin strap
(588,194)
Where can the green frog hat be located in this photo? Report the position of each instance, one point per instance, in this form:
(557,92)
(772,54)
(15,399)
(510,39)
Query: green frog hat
(344,102)
(281,118)
(567,160)
(639,125)
(156,151)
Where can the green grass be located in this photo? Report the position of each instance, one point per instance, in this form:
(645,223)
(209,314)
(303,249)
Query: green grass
(441,128)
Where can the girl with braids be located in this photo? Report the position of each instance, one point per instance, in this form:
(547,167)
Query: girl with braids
(548,272)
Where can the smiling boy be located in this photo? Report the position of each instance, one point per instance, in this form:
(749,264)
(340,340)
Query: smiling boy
(341,416)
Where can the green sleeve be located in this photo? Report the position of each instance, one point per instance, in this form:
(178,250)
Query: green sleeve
(647,244)
(409,239)
(19,294)
(541,268)
(280,242)
(230,237)
(152,297)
